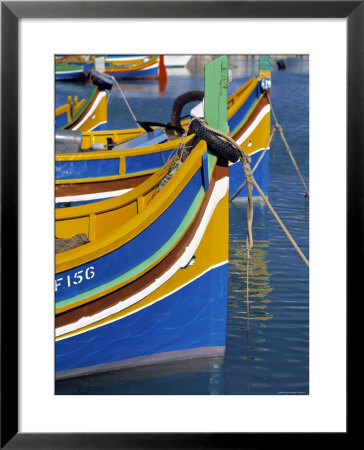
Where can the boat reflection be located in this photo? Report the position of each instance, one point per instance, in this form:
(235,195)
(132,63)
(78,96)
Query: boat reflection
(249,301)
(210,368)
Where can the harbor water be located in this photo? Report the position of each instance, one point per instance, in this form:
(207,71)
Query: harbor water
(267,342)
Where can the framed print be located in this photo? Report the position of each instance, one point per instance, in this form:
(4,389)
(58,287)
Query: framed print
(32,33)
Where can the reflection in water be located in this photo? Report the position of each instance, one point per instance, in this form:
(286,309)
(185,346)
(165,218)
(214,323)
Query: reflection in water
(255,294)
(249,293)
(249,300)
(121,381)
(217,380)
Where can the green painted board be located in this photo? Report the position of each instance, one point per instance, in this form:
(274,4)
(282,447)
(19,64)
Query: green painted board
(264,62)
(216,93)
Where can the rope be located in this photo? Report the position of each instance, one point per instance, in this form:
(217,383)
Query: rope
(245,160)
(126,102)
(256,165)
(279,128)
(175,159)
(247,286)
(249,179)
(281,223)
(250,209)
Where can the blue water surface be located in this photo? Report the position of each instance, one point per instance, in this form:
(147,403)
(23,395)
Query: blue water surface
(267,346)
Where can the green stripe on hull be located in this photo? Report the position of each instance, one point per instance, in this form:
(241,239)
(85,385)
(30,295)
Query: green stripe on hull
(88,98)
(70,68)
(184,225)
(246,115)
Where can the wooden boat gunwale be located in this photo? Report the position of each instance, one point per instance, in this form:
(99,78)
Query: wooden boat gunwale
(240,96)
(236,100)
(145,265)
(161,266)
(110,154)
(135,225)
(112,67)
(80,108)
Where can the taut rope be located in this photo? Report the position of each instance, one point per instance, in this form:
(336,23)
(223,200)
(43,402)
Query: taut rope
(256,164)
(245,160)
(279,128)
(126,101)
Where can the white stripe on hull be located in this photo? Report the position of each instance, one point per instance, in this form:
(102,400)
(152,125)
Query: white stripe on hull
(220,189)
(90,197)
(254,125)
(68,72)
(250,154)
(100,96)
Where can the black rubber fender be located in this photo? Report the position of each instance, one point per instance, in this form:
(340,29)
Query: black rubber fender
(102,81)
(214,143)
(281,64)
(180,102)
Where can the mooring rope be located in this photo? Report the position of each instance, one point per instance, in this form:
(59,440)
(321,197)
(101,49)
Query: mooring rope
(175,159)
(247,285)
(245,160)
(126,101)
(256,164)
(280,129)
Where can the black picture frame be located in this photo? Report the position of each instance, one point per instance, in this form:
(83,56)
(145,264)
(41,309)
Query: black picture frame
(11,12)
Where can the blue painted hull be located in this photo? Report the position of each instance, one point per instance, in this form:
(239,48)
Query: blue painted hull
(236,173)
(235,121)
(61,120)
(152,72)
(193,317)
(261,176)
(66,170)
(62,76)
(100,127)
(109,267)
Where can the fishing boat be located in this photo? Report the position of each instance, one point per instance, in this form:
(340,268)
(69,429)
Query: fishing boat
(169,60)
(89,113)
(72,71)
(104,164)
(147,67)
(148,284)
(250,127)
(118,66)
(69,72)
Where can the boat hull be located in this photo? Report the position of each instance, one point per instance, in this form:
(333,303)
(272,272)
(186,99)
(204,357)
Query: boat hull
(150,72)
(189,323)
(174,309)
(91,116)
(261,176)
(69,75)
(169,60)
